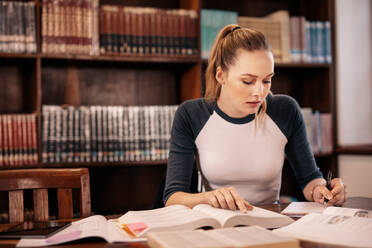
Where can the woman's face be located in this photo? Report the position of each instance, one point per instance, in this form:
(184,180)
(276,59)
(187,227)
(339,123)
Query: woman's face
(246,83)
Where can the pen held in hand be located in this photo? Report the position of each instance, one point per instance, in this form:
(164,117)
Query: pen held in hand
(328,185)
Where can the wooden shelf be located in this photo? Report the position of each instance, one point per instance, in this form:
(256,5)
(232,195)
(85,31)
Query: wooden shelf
(18,55)
(106,164)
(301,65)
(88,165)
(292,65)
(323,154)
(365,149)
(126,58)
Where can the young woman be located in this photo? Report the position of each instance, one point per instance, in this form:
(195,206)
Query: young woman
(242,133)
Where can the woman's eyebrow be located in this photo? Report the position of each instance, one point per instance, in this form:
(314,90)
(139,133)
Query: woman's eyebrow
(252,75)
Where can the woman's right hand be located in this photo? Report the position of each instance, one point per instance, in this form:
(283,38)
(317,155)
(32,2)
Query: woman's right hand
(227,198)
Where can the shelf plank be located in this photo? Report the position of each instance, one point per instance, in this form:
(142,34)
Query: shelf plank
(18,55)
(365,149)
(323,154)
(89,164)
(126,58)
(302,65)
(292,65)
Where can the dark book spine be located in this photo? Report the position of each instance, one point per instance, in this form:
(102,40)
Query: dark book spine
(102,31)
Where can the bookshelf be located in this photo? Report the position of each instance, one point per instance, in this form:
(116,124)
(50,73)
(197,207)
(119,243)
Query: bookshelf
(33,80)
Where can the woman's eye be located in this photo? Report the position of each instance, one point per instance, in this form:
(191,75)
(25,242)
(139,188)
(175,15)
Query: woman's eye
(267,81)
(246,82)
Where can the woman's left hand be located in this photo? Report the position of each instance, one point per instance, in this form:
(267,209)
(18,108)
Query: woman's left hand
(338,190)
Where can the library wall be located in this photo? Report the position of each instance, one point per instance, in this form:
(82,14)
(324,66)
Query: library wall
(354,74)
(354,92)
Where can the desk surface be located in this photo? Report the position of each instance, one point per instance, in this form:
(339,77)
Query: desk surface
(353,202)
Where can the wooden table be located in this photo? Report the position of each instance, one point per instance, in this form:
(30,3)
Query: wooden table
(354,202)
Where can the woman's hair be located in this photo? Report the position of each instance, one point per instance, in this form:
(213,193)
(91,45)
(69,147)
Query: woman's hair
(223,53)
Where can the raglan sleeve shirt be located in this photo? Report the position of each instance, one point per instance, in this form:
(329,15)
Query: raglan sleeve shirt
(197,117)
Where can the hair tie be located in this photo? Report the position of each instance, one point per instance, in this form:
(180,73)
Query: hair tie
(237,27)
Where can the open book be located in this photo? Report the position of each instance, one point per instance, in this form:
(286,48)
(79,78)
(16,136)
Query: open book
(134,225)
(298,209)
(252,237)
(179,217)
(335,226)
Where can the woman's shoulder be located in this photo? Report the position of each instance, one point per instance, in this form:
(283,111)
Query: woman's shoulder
(197,105)
(282,103)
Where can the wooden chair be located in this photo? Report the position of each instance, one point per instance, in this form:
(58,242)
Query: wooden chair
(40,180)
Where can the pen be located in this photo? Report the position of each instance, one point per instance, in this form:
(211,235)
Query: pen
(328,185)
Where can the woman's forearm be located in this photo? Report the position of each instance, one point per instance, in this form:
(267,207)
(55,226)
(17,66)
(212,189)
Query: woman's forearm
(188,199)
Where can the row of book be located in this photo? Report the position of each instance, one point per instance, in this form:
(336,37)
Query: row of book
(318,130)
(138,30)
(310,41)
(105,133)
(82,27)
(17,27)
(18,142)
(70,26)
(292,39)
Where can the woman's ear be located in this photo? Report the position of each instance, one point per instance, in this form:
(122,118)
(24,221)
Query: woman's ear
(220,75)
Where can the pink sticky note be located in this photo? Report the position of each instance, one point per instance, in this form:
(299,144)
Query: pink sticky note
(64,237)
(137,227)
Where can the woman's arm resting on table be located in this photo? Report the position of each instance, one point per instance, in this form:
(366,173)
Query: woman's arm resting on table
(226,198)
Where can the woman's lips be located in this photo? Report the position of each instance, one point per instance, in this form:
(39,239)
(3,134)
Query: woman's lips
(254,103)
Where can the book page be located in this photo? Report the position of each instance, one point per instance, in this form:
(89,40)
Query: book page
(93,226)
(299,209)
(331,229)
(257,216)
(226,237)
(175,217)
(348,212)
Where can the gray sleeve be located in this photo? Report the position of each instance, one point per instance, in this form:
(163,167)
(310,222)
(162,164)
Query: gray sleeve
(189,119)
(286,112)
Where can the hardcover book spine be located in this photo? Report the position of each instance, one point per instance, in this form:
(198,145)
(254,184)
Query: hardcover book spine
(5,141)
(34,139)
(102,30)
(58,125)
(24,141)
(94,146)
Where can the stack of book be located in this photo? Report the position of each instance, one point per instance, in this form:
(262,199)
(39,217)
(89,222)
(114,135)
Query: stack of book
(310,40)
(17,27)
(293,39)
(318,130)
(18,144)
(212,21)
(106,133)
(70,26)
(275,27)
(147,31)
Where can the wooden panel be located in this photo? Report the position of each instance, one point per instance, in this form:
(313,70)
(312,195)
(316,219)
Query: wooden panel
(191,83)
(72,84)
(85,205)
(111,85)
(65,207)
(41,204)
(16,89)
(16,207)
(116,190)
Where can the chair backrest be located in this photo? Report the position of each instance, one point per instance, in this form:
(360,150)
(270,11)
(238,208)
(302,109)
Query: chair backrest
(40,180)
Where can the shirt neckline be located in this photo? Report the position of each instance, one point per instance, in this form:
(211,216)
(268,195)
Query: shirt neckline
(241,120)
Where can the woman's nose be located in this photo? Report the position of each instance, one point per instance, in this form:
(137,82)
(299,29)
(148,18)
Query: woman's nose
(258,89)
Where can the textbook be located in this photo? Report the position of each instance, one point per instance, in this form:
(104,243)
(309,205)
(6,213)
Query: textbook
(133,226)
(298,209)
(249,237)
(331,229)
